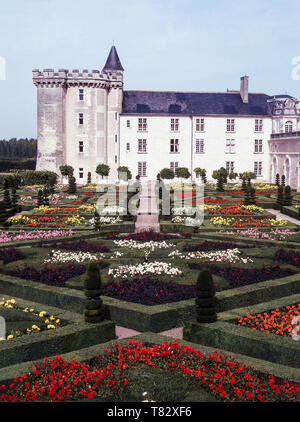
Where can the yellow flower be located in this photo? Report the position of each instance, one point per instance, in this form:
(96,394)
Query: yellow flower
(42,314)
(52,318)
(50,326)
(57,321)
(47,321)
(10,337)
(1,339)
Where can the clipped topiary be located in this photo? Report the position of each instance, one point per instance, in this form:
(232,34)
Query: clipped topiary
(94,311)
(89,178)
(97,224)
(72,185)
(288,199)
(40,198)
(279,200)
(283,180)
(205,298)
(247,197)
(14,201)
(45,196)
(7,200)
(277,180)
(3,214)
(252,196)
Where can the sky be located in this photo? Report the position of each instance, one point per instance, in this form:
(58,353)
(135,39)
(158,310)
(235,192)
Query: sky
(171,45)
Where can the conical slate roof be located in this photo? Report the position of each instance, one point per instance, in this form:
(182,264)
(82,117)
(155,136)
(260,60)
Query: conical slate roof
(113,61)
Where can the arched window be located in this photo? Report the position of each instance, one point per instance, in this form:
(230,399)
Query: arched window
(274,169)
(287,171)
(288,127)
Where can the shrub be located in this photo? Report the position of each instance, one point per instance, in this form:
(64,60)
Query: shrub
(277,180)
(66,170)
(167,174)
(124,173)
(94,310)
(40,198)
(288,199)
(283,180)
(205,298)
(182,172)
(72,185)
(3,214)
(38,177)
(7,200)
(45,196)
(280,198)
(97,224)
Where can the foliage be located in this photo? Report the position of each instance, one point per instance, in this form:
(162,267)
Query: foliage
(182,172)
(94,310)
(167,174)
(205,298)
(124,173)
(103,170)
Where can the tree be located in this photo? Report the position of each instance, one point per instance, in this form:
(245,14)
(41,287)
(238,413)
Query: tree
(66,170)
(222,172)
(182,172)
(205,298)
(167,174)
(94,310)
(247,175)
(220,183)
(51,182)
(102,170)
(124,173)
(233,176)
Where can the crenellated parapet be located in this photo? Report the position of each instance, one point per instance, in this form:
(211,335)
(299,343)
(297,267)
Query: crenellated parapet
(63,78)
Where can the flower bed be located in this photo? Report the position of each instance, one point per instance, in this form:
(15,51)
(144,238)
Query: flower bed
(109,374)
(148,291)
(60,257)
(43,321)
(50,275)
(235,210)
(229,255)
(238,277)
(10,255)
(47,221)
(6,237)
(82,245)
(145,237)
(288,257)
(212,246)
(146,268)
(278,321)
(254,233)
(133,244)
(247,222)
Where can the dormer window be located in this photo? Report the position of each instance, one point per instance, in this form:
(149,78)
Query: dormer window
(80,119)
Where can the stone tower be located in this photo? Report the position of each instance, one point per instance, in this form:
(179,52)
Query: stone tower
(78,118)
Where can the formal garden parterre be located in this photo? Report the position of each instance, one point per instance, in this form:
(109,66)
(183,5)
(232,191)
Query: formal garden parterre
(148,282)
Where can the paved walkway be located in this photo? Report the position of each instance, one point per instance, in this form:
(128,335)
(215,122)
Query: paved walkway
(123,332)
(279,215)
(147,214)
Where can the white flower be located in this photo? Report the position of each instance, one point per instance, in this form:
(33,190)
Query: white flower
(133,244)
(59,256)
(146,268)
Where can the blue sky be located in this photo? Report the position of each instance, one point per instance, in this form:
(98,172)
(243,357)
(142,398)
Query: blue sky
(177,45)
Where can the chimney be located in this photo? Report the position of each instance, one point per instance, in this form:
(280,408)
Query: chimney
(244,88)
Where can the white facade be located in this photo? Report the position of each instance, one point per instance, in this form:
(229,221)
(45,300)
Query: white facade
(86,118)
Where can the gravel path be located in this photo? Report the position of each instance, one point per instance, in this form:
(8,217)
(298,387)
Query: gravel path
(279,215)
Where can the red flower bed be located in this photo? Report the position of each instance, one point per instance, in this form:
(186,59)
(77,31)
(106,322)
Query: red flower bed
(230,210)
(277,321)
(89,193)
(228,379)
(72,210)
(252,222)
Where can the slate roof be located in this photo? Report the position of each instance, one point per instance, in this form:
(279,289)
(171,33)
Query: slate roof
(197,103)
(113,62)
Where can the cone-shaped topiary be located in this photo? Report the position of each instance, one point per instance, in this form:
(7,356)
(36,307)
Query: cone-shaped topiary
(277,180)
(14,200)
(252,196)
(244,185)
(205,298)
(45,196)
(7,200)
(40,198)
(247,197)
(220,184)
(89,177)
(283,180)
(97,224)
(72,185)
(279,200)
(288,199)
(3,214)
(94,310)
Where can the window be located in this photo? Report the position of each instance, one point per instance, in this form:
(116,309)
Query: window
(116,116)
(288,127)
(230,166)
(142,125)
(258,125)
(116,159)
(230,146)
(80,118)
(258,146)
(116,138)
(81,94)
(128,146)
(142,145)
(199,125)
(258,168)
(230,126)
(199,146)
(142,168)
(174,125)
(80,146)
(80,173)
(128,123)
(174,145)
(174,165)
